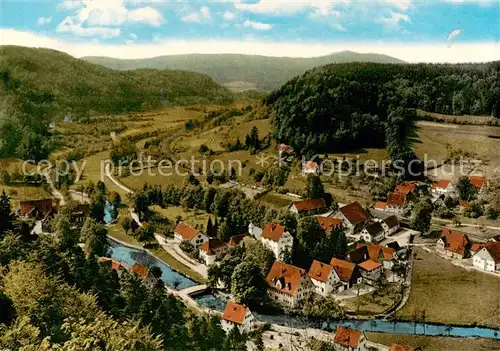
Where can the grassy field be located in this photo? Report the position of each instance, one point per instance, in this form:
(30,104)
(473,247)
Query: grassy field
(375,302)
(116,231)
(200,218)
(277,200)
(450,294)
(434,343)
(464,119)
(20,193)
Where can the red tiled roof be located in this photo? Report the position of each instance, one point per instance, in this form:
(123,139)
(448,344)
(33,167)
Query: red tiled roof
(308,205)
(329,223)
(234,313)
(493,247)
(396,200)
(44,205)
(405,188)
(211,245)
(186,231)
(369,265)
(141,271)
(380,205)
(114,264)
(441,184)
(347,337)
(463,203)
(476,247)
(395,347)
(273,231)
(236,240)
(454,241)
(320,271)
(311,165)
(344,269)
(355,213)
(477,181)
(377,252)
(288,275)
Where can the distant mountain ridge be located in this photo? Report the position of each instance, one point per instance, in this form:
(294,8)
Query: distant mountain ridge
(241,72)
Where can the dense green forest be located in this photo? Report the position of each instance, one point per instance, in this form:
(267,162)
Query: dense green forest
(41,85)
(347,106)
(257,72)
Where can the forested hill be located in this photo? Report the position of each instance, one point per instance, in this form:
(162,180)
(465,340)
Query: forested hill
(251,71)
(346,106)
(40,85)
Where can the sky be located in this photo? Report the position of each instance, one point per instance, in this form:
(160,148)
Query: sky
(415,31)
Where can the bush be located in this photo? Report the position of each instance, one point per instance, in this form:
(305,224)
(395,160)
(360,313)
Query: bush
(186,246)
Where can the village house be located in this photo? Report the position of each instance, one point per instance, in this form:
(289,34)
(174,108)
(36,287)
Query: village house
(443,187)
(462,205)
(479,182)
(358,255)
(370,271)
(391,225)
(308,207)
(254,231)
(235,240)
(488,258)
(381,206)
(323,277)
(277,239)
(406,188)
(381,254)
(288,285)
(328,223)
(194,236)
(115,265)
(237,316)
(452,244)
(373,233)
(347,339)
(141,271)
(212,250)
(80,214)
(354,217)
(400,251)
(310,167)
(396,203)
(348,273)
(35,208)
(475,248)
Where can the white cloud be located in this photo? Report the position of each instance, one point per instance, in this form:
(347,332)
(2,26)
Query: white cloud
(339,27)
(70,5)
(257,25)
(133,36)
(68,25)
(203,15)
(273,7)
(423,52)
(95,18)
(229,16)
(394,19)
(43,21)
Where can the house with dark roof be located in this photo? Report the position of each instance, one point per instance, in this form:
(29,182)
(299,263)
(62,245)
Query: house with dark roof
(329,223)
(358,255)
(348,273)
(347,339)
(288,285)
(373,233)
(323,277)
(391,225)
(308,207)
(36,208)
(194,236)
(354,217)
(212,250)
(396,203)
(235,240)
(453,244)
(277,239)
(488,258)
(237,316)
